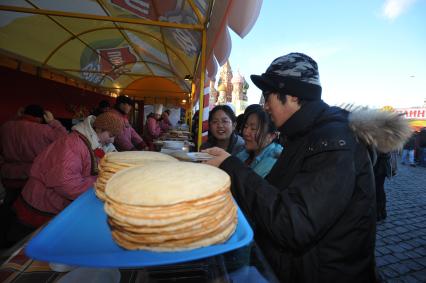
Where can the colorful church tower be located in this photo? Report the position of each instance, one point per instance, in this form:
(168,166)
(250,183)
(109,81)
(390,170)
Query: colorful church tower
(230,90)
(239,97)
(225,80)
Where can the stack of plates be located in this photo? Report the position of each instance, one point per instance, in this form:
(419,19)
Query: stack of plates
(199,156)
(114,162)
(169,144)
(170,206)
(191,156)
(179,133)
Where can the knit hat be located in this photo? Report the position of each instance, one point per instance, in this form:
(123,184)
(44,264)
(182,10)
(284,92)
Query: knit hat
(109,121)
(295,74)
(158,109)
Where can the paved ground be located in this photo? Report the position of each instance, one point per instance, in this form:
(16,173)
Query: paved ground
(401,237)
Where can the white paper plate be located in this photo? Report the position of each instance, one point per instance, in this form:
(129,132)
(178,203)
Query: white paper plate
(200,156)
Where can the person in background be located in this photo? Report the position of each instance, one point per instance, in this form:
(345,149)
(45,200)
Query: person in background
(103,106)
(165,123)
(2,193)
(382,169)
(63,171)
(194,127)
(408,152)
(152,129)
(421,147)
(21,140)
(239,124)
(259,134)
(222,122)
(314,215)
(249,109)
(129,139)
(87,129)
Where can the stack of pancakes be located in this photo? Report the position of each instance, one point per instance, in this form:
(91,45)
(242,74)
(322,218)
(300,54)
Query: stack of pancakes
(179,134)
(113,162)
(170,206)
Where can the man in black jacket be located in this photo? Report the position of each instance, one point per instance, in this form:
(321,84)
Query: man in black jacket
(314,215)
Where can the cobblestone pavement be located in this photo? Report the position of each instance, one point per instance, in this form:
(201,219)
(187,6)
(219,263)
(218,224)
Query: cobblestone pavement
(401,237)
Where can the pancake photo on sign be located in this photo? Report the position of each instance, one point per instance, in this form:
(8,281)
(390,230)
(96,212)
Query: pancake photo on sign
(172,206)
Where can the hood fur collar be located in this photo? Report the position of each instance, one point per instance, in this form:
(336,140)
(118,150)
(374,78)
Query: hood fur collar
(383,130)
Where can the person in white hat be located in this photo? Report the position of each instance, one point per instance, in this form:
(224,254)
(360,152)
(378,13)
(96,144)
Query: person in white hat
(152,128)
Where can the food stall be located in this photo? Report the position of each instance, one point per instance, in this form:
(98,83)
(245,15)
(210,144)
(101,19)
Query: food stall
(152,51)
(155,52)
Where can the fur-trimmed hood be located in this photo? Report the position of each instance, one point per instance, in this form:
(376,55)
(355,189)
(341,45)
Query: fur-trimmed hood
(382,130)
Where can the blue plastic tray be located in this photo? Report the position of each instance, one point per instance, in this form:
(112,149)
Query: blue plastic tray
(80,235)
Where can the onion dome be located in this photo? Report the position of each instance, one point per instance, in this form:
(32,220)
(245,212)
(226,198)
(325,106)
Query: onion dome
(221,88)
(237,78)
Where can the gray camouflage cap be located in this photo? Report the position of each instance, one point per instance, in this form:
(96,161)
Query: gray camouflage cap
(295,74)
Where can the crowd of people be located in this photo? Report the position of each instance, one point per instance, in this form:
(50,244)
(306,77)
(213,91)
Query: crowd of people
(314,213)
(309,177)
(44,167)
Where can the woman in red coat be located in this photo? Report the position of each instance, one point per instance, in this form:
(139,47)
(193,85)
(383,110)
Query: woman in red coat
(21,140)
(65,169)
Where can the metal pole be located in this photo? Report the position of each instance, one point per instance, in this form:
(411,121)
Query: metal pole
(201,97)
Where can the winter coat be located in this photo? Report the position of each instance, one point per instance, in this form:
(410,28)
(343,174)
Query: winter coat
(422,138)
(128,139)
(152,129)
(383,165)
(264,161)
(409,145)
(22,140)
(314,215)
(62,172)
(236,144)
(165,124)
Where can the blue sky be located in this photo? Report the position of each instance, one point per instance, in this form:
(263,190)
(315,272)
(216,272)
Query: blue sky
(369,52)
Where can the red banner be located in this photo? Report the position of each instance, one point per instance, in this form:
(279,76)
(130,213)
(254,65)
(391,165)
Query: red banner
(113,60)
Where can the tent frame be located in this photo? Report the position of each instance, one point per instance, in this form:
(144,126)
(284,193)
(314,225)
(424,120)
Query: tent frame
(201,26)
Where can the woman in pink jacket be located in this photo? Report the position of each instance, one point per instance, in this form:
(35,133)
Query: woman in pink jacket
(128,139)
(165,123)
(152,128)
(21,140)
(66,169)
